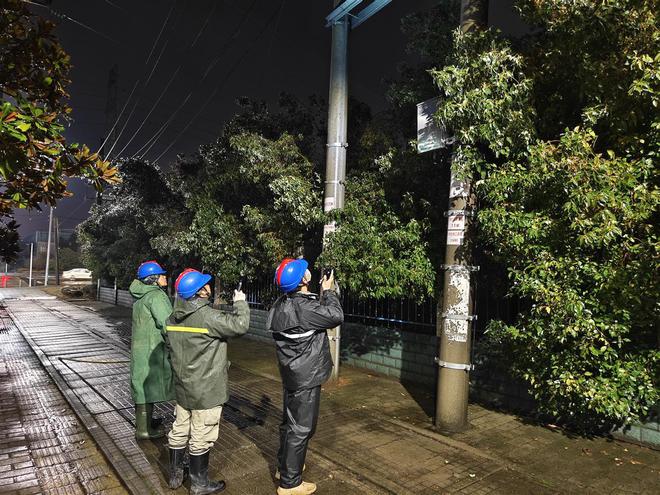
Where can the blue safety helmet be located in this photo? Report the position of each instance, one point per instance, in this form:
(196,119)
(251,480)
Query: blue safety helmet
(149,268)
(189,282)
(290,273)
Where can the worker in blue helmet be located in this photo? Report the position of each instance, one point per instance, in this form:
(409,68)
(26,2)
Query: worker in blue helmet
(298,321)
(151,373)
(197,336)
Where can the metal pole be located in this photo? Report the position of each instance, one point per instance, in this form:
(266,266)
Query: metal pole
(455,337)
(335,169)
(31,256)
(57,251)
(50,229)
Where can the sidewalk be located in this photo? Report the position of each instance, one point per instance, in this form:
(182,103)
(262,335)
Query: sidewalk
(43,447)
(373,435)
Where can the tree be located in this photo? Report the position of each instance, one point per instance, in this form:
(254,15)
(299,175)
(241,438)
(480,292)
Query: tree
(253,201)
(118,235)
(561,135)
(35,159)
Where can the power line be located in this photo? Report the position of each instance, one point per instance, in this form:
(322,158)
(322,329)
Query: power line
(118,118)
(222,83)
(162,27)
(272,40)
(65,17)
(161,130)
(153,69)
(229,41)
(208,18)
(167,86)
(146,63)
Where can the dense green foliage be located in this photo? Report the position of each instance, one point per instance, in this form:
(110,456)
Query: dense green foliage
(561,137)
(117,236)
(559,133)
(35,159)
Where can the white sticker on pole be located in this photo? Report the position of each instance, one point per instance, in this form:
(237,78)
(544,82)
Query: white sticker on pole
(328,204)
(455,237)
(458,189)
(456,330)
(456,222)
(329,228)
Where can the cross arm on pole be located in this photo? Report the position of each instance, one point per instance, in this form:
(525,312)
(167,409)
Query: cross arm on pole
(367,12)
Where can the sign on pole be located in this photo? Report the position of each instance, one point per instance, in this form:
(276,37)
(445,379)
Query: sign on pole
(430,135)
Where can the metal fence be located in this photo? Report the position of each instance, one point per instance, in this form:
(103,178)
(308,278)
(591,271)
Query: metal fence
(407,314)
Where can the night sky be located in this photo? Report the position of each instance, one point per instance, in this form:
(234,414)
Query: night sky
(282,45)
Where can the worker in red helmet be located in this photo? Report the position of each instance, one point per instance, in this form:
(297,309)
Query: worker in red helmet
(151,373)
(197,335)
(298,321)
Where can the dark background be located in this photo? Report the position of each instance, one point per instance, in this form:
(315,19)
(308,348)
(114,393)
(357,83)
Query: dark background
(282,46)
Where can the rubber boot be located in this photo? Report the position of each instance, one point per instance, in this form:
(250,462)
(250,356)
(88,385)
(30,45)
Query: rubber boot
(199,476)
(177,473)
(304,488)
(143,428)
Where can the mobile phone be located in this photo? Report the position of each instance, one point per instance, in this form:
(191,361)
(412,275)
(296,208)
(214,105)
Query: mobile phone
(240,282)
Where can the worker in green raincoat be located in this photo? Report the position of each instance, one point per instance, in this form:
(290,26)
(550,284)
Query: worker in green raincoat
(151,371)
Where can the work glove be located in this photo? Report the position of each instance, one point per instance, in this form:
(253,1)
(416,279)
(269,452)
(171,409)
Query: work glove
(239,295)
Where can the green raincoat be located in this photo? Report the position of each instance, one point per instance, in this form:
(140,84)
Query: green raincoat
(197,335)
(151,372)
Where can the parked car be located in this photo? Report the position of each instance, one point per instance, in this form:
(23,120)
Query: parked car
(82,274)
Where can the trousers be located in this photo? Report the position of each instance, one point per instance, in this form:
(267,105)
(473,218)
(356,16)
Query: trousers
(299,418)
(197,428)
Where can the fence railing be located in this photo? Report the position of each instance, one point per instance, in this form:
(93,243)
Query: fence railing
(407,314)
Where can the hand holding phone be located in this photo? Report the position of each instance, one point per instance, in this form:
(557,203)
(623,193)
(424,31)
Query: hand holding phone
(328,280)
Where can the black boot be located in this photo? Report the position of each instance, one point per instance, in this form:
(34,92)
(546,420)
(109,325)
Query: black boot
(199,476)
(177,473)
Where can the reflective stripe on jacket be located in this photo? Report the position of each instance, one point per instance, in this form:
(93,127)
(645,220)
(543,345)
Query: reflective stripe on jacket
(298,323)
(197,335)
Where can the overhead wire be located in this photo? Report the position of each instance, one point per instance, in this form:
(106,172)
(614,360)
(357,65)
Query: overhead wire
(272,40)
(66,17)
(160,97)
(119,118)
(208,18)
(146,63)
(163,127)
(153,69)
(162,27)
(153,107)
(222,83)
(114,5)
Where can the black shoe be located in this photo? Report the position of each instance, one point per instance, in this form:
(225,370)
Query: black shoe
(177,474)
(199,476)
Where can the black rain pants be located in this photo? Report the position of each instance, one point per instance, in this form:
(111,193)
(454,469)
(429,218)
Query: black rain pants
(299,418)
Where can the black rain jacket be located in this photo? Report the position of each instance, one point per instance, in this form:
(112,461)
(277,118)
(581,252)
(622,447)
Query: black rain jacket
(298,322)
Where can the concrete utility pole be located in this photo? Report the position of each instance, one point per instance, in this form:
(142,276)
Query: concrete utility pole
(31,256)
(50,229)
(335,169)
(455,342)
(335,166)
(57,251)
